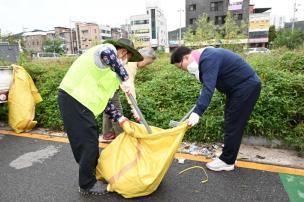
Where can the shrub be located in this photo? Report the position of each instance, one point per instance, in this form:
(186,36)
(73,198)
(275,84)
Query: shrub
(165,93)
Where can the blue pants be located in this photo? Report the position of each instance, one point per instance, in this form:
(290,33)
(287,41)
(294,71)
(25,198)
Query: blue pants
(238,107)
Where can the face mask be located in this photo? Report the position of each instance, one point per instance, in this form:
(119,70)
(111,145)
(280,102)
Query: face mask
(124,62)
(193,69)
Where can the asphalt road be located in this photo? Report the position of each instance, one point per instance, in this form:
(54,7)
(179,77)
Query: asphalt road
(37,170)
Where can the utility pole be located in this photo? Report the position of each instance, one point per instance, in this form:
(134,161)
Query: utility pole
(54,45)
(180,25)
(294,14)
(71,38)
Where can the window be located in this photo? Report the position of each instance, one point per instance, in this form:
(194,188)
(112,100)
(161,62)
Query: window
(153,24)
(192,21)
(145,39)
(192,7)
(140,22)
(219,20)
(260,34)
(142,31)
(216,6)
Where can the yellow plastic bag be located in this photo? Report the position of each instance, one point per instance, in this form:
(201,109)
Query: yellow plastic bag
(135,165)
(22,98)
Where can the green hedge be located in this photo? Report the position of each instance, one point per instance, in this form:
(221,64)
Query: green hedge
(165,93)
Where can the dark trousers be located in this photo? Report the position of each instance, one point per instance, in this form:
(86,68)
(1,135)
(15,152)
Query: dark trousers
(82,131)
(238,107)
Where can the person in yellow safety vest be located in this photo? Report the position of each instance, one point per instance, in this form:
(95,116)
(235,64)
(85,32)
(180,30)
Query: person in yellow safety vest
(107,125)
(84,93)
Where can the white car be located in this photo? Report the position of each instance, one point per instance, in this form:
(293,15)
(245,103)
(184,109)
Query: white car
(258,50)
(6,77)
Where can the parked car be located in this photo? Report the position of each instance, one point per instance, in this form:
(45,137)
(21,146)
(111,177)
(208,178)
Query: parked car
(258,50)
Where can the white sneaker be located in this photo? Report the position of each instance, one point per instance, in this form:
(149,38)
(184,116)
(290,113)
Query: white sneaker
(219,165)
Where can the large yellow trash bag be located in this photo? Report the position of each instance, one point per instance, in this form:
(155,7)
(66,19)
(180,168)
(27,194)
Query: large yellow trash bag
(135,165)
(22,98)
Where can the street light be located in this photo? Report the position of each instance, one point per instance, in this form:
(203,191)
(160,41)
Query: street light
(180,25)
(72,37)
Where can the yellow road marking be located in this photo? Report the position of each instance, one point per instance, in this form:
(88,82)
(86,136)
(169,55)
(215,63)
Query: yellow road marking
(241,164)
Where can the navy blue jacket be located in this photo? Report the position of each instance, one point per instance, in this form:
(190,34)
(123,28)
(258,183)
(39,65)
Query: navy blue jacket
(221,69)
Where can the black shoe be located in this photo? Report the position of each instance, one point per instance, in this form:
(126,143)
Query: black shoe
(99,188)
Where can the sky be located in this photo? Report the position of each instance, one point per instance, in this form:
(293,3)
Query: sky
(25,15)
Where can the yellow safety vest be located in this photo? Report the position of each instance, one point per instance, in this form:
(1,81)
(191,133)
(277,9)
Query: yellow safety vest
(89,84)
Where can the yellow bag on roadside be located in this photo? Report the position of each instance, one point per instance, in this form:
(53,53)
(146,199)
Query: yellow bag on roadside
(22,98)
(135,165)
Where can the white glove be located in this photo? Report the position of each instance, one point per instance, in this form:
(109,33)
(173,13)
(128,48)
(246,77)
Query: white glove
(193,119)
(126,86)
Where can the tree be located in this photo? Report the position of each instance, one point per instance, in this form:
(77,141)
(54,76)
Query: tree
(205,33)
(209,34)
(95,42)
(291,40)
(272,33)
(53,46)
(189,36)
(12,38)
(233,33)
(206,30)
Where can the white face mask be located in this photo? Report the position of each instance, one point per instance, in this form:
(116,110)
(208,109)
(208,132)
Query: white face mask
(124,62)
(193,69)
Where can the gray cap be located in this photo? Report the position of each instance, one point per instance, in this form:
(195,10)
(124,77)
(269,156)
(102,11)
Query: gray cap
(147,52)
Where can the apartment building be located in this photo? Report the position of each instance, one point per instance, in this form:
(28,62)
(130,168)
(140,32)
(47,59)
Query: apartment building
(87,35)
(151,27)
(105,32)
(216,11)
(68,37)
(33,41)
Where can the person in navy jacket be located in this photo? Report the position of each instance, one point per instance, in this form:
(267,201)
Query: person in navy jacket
(226,71)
